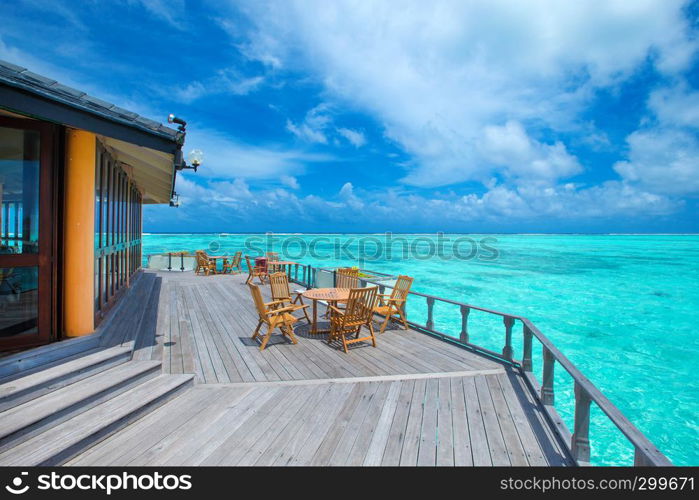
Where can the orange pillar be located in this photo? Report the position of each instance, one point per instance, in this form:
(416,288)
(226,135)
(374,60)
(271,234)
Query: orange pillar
(79,234)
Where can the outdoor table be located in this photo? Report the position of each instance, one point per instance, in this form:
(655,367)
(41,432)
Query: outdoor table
(331,295)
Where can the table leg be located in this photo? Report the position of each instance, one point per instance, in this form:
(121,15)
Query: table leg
(314,328)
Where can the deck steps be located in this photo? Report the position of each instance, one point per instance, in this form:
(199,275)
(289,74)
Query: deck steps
(23,421)
(20,389)
(59,443)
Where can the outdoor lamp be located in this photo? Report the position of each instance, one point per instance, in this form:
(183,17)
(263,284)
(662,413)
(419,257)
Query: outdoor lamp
(195,157)
(179,121)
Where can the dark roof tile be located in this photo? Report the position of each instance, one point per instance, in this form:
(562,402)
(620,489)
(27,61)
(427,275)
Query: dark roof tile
(67,90)
(11,67)
(33,77)
(14,75)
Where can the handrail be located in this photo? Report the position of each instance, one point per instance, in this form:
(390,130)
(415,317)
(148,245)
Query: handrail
(645,452)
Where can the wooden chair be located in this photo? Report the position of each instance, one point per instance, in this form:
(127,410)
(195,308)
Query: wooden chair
(204,263)
(255,272)
(279,285)
(395,303)
(347,277)
(272,315)
(351,319)
(233,266)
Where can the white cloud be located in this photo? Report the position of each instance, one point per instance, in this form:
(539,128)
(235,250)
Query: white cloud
(437,75)
(170,11)
(663,161)
(356,138)
(509,146)
(676,106)
(230,204)
(318,127)
(227,158)
(290,182)
(313,127)
(224,81)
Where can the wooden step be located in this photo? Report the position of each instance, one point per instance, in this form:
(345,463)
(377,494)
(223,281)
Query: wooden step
(62,442)
(22,389)
(26,420)
(30,359)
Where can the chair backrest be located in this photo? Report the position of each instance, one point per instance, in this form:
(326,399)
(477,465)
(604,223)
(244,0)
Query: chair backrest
(402,287)
(247,261)
(202,260)
(272,256)
(257,299)
(347,277)
(279,283)
(237,257)
(360,306)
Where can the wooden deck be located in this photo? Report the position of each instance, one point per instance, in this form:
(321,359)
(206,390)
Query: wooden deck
(413,400)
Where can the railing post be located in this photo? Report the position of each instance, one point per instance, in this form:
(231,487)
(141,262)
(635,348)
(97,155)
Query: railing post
(430,307)
(527,348)
(547,379)
(507,350)
(169,261)
(182,261)
(580,442)
(382,289)
(640,459)
(296,272)
(463,336)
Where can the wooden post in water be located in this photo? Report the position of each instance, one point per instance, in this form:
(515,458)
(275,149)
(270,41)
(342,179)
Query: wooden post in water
(527,348)
(463,337)
(580,442)
(507,349)
(547,379)
(430,307)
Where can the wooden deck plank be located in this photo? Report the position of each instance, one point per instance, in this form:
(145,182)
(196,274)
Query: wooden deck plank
(460,425)
(361,424)
(412,400)
(396,435)
(379,439)
(285,423)
(496,442)
(310,433)
(427,454)
(411,442)
(479,442)
(259,431)
(515,451)
(445,431)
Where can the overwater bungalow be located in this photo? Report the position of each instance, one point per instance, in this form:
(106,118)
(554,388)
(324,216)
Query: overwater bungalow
(106,363)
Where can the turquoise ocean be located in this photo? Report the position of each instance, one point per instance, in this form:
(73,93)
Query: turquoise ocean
(623,308)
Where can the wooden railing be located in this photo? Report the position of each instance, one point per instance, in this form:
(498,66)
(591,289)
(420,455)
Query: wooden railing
(586,393)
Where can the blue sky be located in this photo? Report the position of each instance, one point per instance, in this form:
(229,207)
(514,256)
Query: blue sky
(492,116)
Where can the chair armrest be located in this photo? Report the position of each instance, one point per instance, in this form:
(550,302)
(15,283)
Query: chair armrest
(335,309)
(282,310)
(274,303)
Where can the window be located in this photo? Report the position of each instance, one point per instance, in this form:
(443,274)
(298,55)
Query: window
(117,229)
